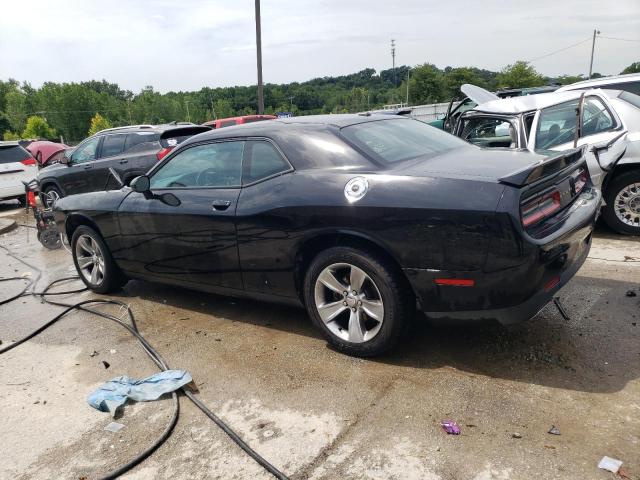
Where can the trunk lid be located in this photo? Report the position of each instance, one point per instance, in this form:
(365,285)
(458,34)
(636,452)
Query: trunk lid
(472,163)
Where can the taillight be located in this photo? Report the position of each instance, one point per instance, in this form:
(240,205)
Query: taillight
(163,153)
(540,207)
(28,161)
(31,199)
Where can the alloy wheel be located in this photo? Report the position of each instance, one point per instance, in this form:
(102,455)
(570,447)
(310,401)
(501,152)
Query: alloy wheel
(349,302)
(90,259)
(50,198)
(627,205)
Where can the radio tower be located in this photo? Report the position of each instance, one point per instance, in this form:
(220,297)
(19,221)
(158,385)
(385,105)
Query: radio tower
(393,59)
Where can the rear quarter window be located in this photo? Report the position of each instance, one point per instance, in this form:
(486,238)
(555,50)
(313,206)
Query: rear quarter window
(140,141)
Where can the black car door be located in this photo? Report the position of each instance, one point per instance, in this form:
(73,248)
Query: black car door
(76,178)
(192,238)
(108,157)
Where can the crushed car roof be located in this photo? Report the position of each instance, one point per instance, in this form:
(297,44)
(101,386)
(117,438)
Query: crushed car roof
(602,81)
(527,103)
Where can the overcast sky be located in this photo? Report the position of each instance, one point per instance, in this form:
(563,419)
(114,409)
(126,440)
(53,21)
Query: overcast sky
(187,44)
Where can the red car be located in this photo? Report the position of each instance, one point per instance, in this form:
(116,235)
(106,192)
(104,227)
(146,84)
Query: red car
(228,122)
(46,152)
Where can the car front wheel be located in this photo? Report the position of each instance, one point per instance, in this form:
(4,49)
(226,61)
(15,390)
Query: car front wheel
(360,302)
(50,195)
(622,212)
(93,261)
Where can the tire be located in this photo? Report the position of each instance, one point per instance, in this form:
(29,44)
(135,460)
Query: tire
(108,277)
(50,193)
(625,186)
(383,283)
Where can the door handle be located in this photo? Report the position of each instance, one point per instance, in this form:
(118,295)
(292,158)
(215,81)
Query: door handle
(88,167)
(123,161)
(221,205)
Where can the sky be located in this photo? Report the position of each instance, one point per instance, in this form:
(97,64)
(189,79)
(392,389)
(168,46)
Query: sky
(187,44)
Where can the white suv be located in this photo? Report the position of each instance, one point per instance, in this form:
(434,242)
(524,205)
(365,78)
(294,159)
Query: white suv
(16,165)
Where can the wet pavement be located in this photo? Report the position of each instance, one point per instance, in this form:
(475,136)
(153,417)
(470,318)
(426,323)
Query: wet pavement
(315,413)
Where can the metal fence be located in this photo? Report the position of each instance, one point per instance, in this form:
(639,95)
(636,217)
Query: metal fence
(428,113)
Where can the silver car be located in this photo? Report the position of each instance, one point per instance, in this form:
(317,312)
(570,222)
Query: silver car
(608,123)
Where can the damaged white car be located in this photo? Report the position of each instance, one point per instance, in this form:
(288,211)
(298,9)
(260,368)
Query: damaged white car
(607,121)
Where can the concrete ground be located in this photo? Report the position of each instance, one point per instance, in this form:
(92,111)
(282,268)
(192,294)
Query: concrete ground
(315,413)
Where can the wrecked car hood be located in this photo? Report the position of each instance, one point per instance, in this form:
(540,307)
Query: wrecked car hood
(478,94)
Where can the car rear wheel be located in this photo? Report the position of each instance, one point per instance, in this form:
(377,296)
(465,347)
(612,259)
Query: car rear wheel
(93,261)
(50,195)
(622,212)
(360,302)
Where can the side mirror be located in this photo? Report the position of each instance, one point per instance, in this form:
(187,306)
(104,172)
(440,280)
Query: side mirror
(140,184)
(64,160)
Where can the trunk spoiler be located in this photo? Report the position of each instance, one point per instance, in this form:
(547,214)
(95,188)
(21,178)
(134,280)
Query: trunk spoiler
(549,166)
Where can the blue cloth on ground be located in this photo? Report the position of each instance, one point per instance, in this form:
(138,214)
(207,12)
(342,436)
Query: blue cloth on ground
(113,394)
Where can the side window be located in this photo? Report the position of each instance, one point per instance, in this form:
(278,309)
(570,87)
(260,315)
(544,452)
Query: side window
(262,160)
(557,125)
(112,145)
(138,138)
(489,132)
(86,152)
(208,165)
(228,123)
(595,117)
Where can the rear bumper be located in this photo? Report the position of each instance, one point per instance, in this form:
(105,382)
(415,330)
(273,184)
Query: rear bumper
(514,294)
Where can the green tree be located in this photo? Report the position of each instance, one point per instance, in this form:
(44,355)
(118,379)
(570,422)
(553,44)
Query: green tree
(633,68)
(426,85)
(10,136)
(455,77)
(37,127)
(98,122)
(519,75)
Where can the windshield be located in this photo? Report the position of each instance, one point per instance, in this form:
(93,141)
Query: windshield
(394,140)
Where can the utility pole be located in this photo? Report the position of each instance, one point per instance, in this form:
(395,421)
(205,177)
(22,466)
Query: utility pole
(393,60)
(188,116)
(259,52)
(408,71)
(593,47)
(213,110)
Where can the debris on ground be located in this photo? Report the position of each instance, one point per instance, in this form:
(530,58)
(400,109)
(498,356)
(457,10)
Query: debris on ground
(112,351)
(610,464)
(105,364)
(114,427)
(93,354)
(450,427)
(516,435)
(560,307)
(554,430)
(110,396)
(631,293)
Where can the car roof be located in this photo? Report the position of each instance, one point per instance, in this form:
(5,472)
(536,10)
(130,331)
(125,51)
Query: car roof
(527,103)
(602,81)
(9,143)
(148,128)
(321,121)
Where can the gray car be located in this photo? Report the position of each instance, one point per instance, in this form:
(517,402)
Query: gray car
(126,151)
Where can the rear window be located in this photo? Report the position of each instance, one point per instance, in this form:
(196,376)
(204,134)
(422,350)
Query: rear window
(12,154)
(395,140)
(631,98)
(631,87)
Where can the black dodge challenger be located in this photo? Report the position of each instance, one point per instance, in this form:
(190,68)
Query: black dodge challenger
(360,218)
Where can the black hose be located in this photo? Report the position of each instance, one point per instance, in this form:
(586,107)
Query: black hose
(151,352)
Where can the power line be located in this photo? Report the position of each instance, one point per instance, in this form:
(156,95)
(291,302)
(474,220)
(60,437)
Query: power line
(620,39)
(561,50)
